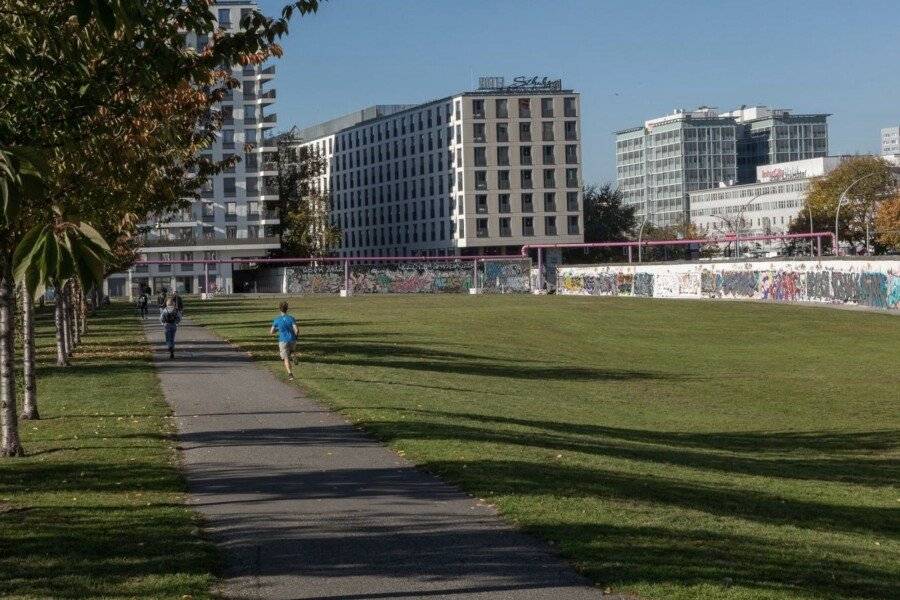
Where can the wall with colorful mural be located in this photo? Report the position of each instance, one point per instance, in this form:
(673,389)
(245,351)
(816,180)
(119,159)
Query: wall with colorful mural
(872,283)
(435,277)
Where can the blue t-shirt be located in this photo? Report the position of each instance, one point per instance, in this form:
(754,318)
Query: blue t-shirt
(284,325)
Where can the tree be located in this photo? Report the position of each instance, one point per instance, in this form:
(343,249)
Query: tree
(887,223)
(605,220)
(80,75)
(305,208)
(869,180)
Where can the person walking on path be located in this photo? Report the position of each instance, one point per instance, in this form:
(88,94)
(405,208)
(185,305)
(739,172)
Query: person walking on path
(142,302)
(286,327)
(170,317)
(161,300)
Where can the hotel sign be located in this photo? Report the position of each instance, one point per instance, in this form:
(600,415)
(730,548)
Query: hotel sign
(780,174)
(521,83)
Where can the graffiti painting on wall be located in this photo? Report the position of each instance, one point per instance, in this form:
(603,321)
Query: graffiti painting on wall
(796,283)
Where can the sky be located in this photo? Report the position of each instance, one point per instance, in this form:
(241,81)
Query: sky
(631,60)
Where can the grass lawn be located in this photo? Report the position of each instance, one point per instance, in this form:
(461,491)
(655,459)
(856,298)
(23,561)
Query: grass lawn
(95,508)
(669,449)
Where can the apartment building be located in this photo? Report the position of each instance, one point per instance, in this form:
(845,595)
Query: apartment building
(661,162)
(237,212)
(478,172)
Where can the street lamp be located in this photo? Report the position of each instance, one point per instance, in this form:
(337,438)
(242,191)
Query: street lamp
(740,220)
(837,212)
(729,224)
(641,233)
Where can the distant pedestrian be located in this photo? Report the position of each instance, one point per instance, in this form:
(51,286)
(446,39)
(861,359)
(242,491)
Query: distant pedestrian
(143,302)
(170,318)
(286,327)
(161,300)
(179,302)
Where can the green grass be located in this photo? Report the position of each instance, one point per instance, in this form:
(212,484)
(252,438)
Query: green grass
(669,449)
(95,510)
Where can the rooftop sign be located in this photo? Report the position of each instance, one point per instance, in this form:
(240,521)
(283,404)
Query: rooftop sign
(521,83)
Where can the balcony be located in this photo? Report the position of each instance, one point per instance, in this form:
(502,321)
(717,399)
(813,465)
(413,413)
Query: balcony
(273,118)
(249,71)
(206,241)
(270,165)
(230,218)
(270,214)
(268,71)
(253,216)
(269,95)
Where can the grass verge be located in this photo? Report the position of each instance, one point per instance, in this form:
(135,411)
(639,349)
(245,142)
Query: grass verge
(95,509)
(672,450)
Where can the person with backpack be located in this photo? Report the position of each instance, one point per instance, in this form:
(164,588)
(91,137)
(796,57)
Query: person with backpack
(142,303)
(179,303)
(170,318)
(286,327)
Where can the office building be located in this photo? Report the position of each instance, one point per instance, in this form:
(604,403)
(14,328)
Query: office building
(478,172)
(661,162)
(766,207)
(236,215)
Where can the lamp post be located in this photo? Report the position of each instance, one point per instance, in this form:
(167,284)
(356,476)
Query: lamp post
(729,224)
(837,212)
(640,234)
(740,220)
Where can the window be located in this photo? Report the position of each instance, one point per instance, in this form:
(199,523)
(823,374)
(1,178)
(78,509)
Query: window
(481,228)
(228,138)
(525,155)
(209,211)
(228,183)
(224,18)
(524,132)
(527,226)
(549,178)
(549,225)
(253,231)
(478,132)
(524,108)
(253,209)
(478,109)
(549,202)
(572,201)
(503,156)
(502,132)
(209,233)
(569,107)
(230,211)
(570,131)
(249,114)
(571,177)
(573,224)
(527,204)
(227,158)
(547,131)
(501,108)
(503,203)
(481,205)
(231,232)
(480,180)
(462,229)
(480,156)
(571,155)
(525,179)
(548,157)
(547,108)
(252,186)
(505,229)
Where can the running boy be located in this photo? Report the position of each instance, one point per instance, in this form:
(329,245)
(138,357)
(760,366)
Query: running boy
(170,318)
(286,327)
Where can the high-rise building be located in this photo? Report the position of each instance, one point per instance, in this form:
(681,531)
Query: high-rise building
(660,163)
(479,172)
(890,143)
(235,216)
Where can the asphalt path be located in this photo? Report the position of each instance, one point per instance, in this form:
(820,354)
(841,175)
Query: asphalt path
(305,505)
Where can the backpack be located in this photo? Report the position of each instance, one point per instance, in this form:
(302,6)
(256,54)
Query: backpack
(170,317)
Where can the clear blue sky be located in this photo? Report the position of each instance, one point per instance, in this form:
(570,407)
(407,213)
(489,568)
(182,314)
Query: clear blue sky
(630,59)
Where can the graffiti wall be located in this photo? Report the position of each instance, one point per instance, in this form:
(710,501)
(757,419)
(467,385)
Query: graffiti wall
(871,283)
(438,277)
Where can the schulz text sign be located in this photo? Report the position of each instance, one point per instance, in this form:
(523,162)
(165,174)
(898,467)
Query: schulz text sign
(520,83)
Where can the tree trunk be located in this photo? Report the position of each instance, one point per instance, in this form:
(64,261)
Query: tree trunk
(9,441)
(59,322)
(67,319)
(29,406)
(76,313)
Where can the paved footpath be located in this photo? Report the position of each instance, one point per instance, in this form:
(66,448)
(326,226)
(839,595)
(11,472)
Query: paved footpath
(305,505)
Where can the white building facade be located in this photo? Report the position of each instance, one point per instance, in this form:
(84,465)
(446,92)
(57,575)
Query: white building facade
(661,162)
(763,208)
(236,216)
(480,172)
